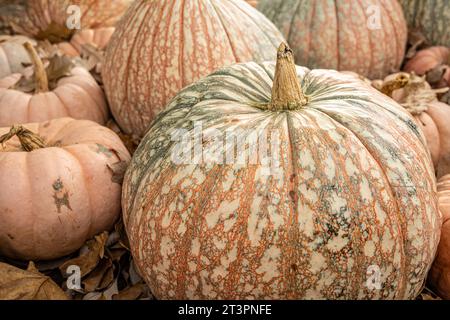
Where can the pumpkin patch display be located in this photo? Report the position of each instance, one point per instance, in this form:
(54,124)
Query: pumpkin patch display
(439,277)
(430,18)
(60,186)
(330,193)
(368,37)
(59,90)
(159,47)
(434,63)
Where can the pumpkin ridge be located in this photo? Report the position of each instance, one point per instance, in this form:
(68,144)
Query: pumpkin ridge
(128,60)
(338,36)
(401,224)
(396,38)
(233,50)
(89,233)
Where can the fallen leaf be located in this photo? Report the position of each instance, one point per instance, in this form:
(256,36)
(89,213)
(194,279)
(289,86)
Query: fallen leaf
(30,284)
(94,279)
(89,257)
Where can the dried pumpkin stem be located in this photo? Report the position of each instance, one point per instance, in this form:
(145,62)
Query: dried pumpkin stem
(287,93)
(39,71)
(29,140)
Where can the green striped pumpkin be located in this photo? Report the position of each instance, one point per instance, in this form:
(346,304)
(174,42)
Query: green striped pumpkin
(353,192)
(432,17)
(364,36)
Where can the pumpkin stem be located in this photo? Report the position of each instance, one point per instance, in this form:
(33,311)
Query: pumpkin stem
(39,71)
(287,93)
(29,140)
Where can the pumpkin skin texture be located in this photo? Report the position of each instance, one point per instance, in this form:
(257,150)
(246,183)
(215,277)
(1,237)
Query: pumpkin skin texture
(13,55)
(98,38)
(427,59)
(349,192)
(439,277)
(159,47)
(430,18)
(47,19)
(55,198)
(334,34)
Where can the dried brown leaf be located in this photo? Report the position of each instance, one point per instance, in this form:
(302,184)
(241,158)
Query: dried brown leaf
(27,284)
(90,257)
(94,279)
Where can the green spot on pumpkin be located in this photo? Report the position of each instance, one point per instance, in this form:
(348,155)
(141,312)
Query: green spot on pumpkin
(104,150)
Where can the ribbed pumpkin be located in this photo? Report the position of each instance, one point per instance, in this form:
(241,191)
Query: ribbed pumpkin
(76,94)
(98,38)
(48,19)
(439,277)
(432,116)
(13,56)
(431,18)
(59,186)
(349,190)
(160,47)
(429,59)
(335,34)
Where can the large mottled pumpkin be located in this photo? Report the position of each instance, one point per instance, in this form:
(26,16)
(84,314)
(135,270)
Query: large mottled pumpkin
(430,17)
(439,277)
(432,116)
(337,201)
(59,186)
(366,36)
(159,47)
(73,92)
(46,19)
(433,62)
(97,38)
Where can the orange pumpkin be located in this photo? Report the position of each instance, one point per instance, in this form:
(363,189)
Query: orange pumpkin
(13,56)
(439,276)
(99,38)
(339,188)
(432,116)
(159,47)
(75,94)
(60,186)
(48,19)
(429,59)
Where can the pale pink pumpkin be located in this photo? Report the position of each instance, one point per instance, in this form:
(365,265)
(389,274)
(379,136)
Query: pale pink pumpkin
(77,95)
(13,56)
(98,38)
(62,191)
(159,47)
(428,59)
